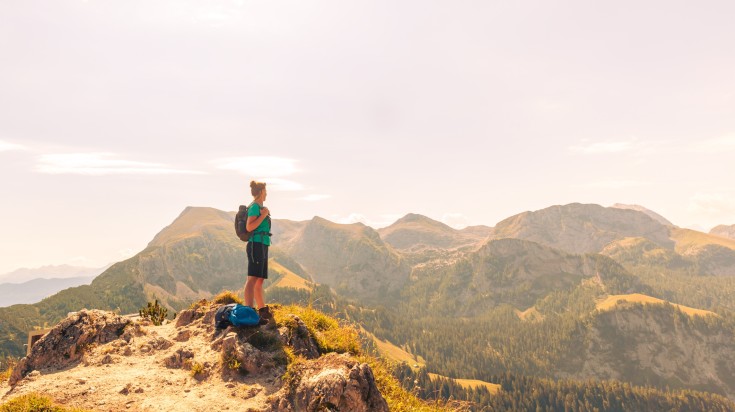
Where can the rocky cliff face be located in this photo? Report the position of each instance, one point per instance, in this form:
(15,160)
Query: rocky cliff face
(100,361)
(581,228)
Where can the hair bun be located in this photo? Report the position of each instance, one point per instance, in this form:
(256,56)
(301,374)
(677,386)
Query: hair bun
(253,183)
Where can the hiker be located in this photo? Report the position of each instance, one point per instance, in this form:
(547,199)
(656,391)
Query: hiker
(259,222)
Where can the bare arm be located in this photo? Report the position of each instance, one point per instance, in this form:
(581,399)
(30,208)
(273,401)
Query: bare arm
(255,221)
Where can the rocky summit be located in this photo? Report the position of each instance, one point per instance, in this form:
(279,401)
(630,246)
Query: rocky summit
(97,360)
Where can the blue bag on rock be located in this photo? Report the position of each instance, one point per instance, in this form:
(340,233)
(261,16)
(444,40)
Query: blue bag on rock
(242,315)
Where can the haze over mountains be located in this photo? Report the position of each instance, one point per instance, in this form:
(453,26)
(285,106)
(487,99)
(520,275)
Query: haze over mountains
(474,303)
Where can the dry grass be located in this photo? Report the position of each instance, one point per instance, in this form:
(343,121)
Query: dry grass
(531,314)
(471,383)
(289,279)
(686,239)
(613,300)
(7,365)
(226,297)
(34,403)
(399,400)
(388,350)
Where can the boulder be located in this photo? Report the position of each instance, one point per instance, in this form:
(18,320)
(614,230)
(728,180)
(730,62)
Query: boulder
(297,336)
(333,382)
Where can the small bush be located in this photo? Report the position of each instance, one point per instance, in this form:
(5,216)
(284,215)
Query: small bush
(226,297)
(196,368)
(230,361)
(34,403)
(6,367)
(154,312)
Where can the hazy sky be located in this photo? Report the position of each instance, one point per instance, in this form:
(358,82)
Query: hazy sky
(116,115)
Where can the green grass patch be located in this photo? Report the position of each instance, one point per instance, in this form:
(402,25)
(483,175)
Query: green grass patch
(330,336)
(398,398)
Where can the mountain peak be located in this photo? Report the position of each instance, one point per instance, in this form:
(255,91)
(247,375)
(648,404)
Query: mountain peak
(655,216)
(724,231)
(582,228)
(192,221)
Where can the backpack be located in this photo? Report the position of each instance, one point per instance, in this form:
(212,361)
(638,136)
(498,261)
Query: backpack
(241,220)
(242,315)
(222,316)
(235,314)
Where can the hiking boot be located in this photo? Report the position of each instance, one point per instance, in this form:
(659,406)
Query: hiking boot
(265,313)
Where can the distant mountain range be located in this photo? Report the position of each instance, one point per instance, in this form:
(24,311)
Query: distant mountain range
(34,290)
(521,297)
(50,272)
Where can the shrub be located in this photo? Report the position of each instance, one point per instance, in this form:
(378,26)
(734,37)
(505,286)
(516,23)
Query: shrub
(154,312)
(6,367)
(226,297)
(34,402)
(196,368)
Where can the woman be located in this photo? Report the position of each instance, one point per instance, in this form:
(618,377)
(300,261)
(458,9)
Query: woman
(259,223)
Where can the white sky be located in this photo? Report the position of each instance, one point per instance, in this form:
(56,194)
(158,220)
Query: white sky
(116,115)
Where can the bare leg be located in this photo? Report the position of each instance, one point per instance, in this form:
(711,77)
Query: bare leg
(250,290)
(258,292)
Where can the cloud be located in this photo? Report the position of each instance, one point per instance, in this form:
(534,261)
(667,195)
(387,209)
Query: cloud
(613,184)
(716,145)
(269,169)
(455,220)
(605,147)
(101,164)
(7,146)
(713,205)
(315,197)
(360,218)
(282,185)
(259,166)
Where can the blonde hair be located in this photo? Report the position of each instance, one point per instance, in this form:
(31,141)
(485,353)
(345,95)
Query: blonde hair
(256,188)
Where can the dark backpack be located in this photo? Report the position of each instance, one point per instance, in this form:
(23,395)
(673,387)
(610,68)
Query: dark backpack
(241,221)
(222,316)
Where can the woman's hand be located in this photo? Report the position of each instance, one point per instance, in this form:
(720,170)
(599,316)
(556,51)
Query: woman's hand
(264,211)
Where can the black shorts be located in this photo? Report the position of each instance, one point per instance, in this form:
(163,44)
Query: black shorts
(257,259)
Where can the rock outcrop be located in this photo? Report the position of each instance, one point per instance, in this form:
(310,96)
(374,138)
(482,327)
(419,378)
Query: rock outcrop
(101,361)
(66,343)
(331,383)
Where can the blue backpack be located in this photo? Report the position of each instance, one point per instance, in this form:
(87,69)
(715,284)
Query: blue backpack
(235,314)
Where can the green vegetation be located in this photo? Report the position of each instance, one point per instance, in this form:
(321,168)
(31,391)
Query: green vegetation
(7,363)
(154,312)
(34,403)
(330,336)
(333,335)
